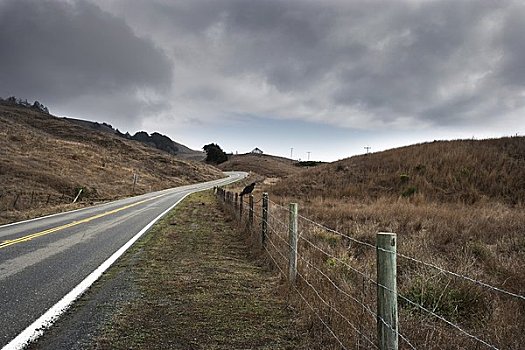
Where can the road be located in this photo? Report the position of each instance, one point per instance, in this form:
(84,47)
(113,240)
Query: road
(43,260)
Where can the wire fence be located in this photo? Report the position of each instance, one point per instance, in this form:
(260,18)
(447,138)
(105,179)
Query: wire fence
(30,200)
(338,284)
(20,201)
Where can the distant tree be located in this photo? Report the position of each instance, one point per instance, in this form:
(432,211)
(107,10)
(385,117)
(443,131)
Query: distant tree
(214,154)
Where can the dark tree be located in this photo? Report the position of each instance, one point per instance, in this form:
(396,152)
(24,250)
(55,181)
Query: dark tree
(214,154)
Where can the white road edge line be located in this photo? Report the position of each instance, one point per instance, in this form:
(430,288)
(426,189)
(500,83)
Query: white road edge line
(37,328)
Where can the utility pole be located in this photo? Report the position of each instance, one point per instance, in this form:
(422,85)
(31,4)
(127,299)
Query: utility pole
(367,149)
(291,152)
(308,155)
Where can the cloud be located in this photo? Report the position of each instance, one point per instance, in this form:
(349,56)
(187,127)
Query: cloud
(356,64)
(78,58)
(362,64)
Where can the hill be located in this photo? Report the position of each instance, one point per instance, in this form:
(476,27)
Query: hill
(261,164)
(45,160)
(462,171)
(453,204)
(156,140)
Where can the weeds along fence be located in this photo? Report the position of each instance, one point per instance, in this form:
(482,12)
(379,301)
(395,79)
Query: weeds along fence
(356,294)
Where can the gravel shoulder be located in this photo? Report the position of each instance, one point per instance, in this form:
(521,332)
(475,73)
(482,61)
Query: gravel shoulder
(190,283)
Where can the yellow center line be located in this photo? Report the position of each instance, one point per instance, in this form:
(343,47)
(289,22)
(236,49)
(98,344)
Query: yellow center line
(71,224)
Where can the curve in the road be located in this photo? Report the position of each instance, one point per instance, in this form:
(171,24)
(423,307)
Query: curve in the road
(38,327)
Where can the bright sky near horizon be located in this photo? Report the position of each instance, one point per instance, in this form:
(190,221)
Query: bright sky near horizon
(327,77)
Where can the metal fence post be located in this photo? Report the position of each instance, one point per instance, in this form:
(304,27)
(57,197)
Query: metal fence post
(250,217)
(387,320)
(292,237)
(264,218)
(236,200)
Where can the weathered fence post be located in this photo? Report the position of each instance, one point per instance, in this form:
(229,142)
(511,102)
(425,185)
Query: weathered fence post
(241,202)
(292,240)
(250,217)
(264,218)
(236,200)
(16,200)
(387,322)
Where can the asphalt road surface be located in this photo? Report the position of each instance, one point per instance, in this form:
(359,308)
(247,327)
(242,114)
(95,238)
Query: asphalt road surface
(42,260)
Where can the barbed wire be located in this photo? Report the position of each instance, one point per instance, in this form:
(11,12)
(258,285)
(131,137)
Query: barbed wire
(320,318)
(457,327)
(336,232)
(335,310)
(338,259)
(455,274)
(277,204)
(402,297)
(404,338)
(274,261)
(283,224)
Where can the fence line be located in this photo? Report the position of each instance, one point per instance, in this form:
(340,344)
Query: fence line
(440,269)
(272,219)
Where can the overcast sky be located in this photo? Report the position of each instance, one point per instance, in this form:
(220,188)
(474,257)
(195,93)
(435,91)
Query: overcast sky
(327,76)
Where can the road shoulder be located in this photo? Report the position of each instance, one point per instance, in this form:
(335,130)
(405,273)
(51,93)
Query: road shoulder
(188,284)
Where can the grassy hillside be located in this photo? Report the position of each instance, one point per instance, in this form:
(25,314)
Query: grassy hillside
(262,164)
(466,171)
(45,160)
(457,205)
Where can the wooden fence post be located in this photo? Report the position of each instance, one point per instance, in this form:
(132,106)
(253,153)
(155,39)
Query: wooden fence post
(292,240)
(264,225)
(16,200)
(387,321)
(241,202)
(250,217)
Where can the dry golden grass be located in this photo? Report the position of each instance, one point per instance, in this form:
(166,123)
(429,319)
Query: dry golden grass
(262,164)
(465,215)
(466,171)
(45,160)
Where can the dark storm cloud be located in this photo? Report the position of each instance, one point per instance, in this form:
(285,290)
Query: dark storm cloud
(75,56)
(350,63)
(360,63)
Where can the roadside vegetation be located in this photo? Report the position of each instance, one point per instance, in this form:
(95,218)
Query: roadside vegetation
(199,288)
(457,205)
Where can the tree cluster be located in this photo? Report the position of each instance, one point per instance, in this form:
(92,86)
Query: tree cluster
(214,154)
(156,140)
(23,103)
